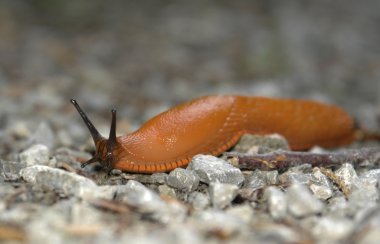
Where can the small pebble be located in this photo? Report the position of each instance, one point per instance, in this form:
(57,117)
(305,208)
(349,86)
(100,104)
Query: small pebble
(56,179)
(301,202)
(331,229)
(256,180)
(35,155)
(10,170)
(277,202)
(348,175)
(198,200)
(222,194)
(167,190)
(211,169)
(183,180)
(244,212)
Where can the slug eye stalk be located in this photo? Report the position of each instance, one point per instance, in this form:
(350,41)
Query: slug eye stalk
(106,158)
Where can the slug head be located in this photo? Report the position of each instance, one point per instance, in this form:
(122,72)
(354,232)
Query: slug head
(105,148)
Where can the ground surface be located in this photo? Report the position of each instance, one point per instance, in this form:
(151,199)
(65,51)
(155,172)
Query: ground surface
(145,57)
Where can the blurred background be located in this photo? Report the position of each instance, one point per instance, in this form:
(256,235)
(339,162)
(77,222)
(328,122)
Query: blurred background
(144,56)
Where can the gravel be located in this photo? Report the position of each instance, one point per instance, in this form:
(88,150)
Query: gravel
(144,58)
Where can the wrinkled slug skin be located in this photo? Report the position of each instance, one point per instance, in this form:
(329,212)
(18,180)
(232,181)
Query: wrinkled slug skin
(215,123)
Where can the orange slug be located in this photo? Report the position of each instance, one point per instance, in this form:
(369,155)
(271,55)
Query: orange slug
(212,125)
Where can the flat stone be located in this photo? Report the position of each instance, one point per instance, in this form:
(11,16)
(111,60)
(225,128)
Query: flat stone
(212,169)
(57,179)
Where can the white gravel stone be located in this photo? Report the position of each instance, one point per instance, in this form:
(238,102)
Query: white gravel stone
(222,194)
(301,202)
(183,180)
(276,202)
(212,169)
(37,154)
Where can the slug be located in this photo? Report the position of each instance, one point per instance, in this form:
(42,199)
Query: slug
(212,125)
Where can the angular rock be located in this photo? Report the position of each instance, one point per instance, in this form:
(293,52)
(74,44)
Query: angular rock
(272,177)
(244,212)
(332,229)
(256,180)
(141,197)
(9,170)
(294,178)
(210,221)
(212,169)
(301,202)
(348,175)
(222,194)
(56,179)
(371,177)
(166,190)
(148,202)
(277,202)
(321,185)
(183,180)
(198,200)
(159,178)
(321,191)
(35,155)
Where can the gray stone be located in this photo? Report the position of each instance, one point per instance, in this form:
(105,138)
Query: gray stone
(301,202)
(277,202)
(167,190)
(198,200)
(141,197)
(56,179)
(212,169)
(332,229)
(183,180)
(321,185)
(35,155)
(348,175)
(272,177)
(159,178)
(256,180)
(10,170)
(210,221)
(149,203)
(290,177)
(321,191)
(244,212)
(371,177)
(222,194)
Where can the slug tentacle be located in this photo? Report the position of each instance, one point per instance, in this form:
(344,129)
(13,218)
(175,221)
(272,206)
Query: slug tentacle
(94,132)
(105,149)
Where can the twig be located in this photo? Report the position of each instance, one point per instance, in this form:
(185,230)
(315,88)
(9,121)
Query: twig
(281,160)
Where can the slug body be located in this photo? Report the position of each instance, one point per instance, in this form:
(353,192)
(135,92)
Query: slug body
(213,124)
